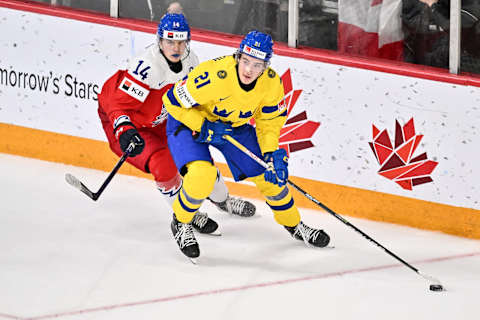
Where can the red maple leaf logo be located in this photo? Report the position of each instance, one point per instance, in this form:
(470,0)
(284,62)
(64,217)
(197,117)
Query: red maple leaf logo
(398,163)
(297,131)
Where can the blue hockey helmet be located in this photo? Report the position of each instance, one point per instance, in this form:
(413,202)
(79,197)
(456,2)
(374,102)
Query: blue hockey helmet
(258,45)
(173,26)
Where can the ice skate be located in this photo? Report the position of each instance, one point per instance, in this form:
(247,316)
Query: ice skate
(315,237)
(183,234)
(236,206)
(203,224)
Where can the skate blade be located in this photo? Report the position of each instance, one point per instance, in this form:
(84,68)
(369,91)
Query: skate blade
(214,233)
(321,248)
(318,248)
(193,260)
(327,247)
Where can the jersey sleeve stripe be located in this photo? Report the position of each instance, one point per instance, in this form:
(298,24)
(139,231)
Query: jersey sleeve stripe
(120,120)
(172,98)
(269,109)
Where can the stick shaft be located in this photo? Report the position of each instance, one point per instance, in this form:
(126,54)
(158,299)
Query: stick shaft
(95,195)
(112,174)
(317,202)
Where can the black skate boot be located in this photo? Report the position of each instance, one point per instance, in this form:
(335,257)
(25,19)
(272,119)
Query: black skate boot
(183,234)
(203,224)
(236,206)
(314,237)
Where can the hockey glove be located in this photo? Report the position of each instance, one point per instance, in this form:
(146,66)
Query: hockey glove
(213,132)
(126,134)
(277,170)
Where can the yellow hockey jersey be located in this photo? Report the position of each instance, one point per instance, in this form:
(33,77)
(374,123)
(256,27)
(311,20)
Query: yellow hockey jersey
(212,91)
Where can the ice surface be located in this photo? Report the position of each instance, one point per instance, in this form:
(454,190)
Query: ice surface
(63,255)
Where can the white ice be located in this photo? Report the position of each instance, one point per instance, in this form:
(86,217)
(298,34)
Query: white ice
(65,256)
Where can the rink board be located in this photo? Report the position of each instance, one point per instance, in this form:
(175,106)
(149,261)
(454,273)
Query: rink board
(49,83)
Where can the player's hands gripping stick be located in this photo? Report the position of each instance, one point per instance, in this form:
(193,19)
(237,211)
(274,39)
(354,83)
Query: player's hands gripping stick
(213,132)
(277,170)
(126,134)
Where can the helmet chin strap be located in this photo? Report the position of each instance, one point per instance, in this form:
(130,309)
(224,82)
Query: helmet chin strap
(186,53)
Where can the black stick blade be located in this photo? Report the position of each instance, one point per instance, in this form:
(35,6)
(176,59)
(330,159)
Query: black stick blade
(436,287)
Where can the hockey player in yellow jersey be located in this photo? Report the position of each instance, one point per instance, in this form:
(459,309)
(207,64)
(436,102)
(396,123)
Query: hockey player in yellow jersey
(217,98)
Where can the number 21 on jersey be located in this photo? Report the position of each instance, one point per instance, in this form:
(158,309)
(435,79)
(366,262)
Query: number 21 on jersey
(201,80)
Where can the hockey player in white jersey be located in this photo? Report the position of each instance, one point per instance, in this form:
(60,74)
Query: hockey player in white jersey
(131,110)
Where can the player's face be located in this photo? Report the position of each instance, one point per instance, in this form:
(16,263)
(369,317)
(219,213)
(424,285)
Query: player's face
(173,49)
(249,68)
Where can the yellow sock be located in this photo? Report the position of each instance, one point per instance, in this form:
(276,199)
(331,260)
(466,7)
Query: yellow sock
(197,185)
(280,200)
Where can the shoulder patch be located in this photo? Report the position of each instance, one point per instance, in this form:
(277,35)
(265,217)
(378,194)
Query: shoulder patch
(222,74)
(271,73)
(133,89)
(184,95)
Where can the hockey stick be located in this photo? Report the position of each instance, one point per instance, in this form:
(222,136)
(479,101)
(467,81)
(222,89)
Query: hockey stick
(73,181)
(436,286)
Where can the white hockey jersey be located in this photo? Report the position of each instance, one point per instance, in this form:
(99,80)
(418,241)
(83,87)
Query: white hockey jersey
(151,68)
(135,94)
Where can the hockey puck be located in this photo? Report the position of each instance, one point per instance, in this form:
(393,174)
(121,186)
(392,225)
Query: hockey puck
(436,287)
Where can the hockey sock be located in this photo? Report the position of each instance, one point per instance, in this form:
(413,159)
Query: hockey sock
(280,200)
(197,185)
(170,188)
